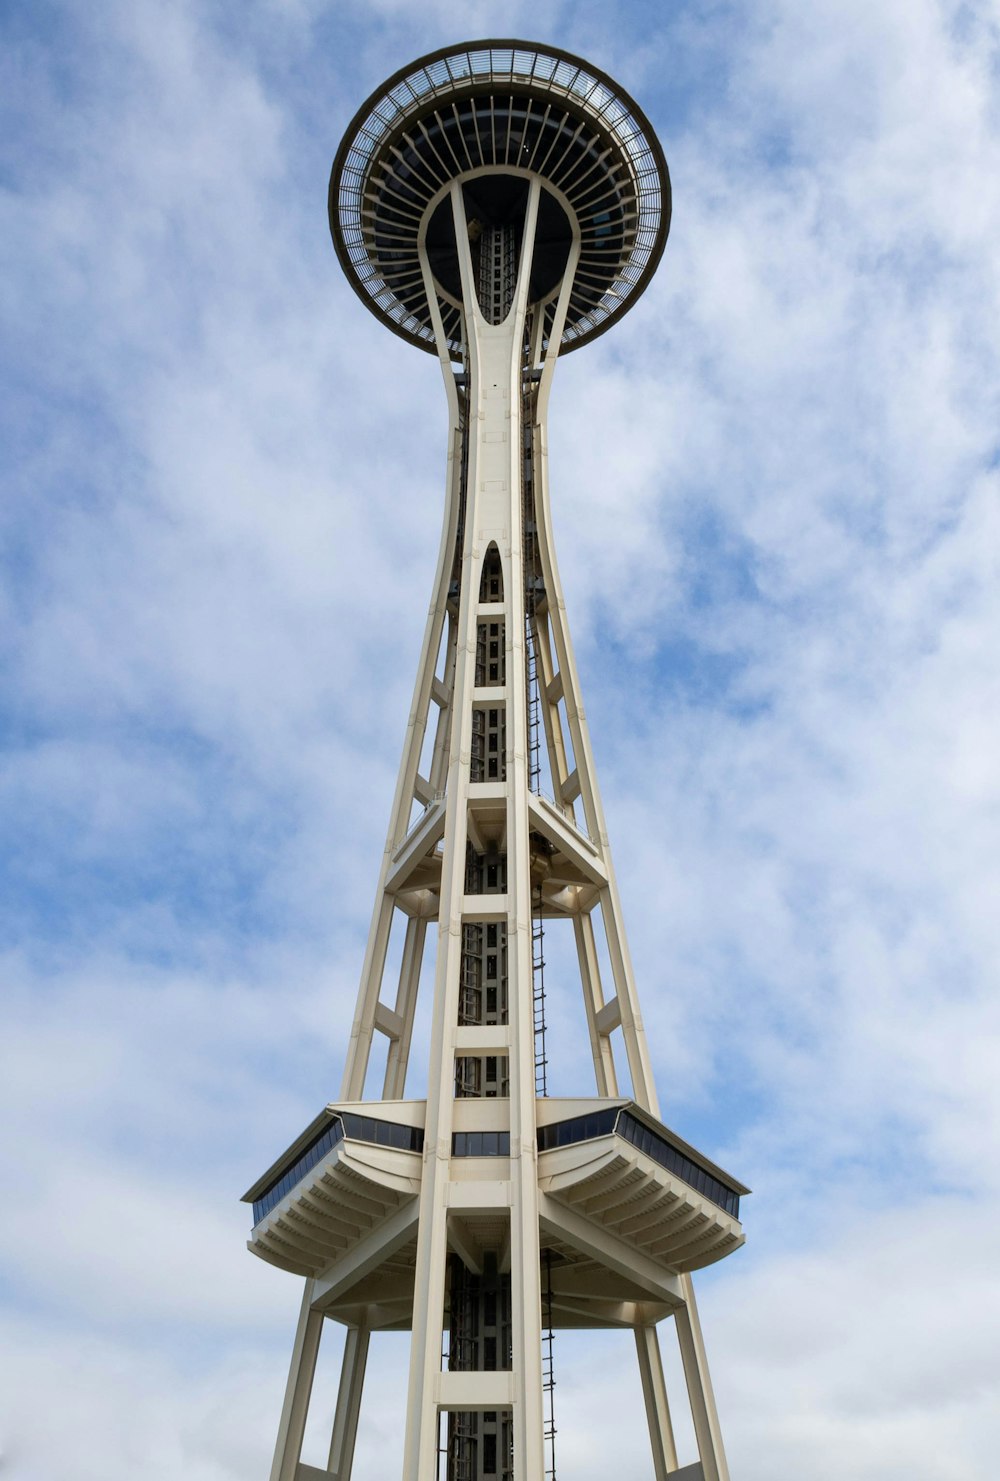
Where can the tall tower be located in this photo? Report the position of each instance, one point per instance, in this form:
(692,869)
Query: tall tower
(495,204)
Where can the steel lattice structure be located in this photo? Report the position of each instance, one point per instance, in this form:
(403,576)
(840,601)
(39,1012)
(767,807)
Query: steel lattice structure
(495,204)
(499,106)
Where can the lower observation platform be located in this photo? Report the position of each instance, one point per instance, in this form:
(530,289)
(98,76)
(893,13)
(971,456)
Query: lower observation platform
(626,1207)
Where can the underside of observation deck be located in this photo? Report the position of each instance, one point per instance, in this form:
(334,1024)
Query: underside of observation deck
(493,114)
(626,1207)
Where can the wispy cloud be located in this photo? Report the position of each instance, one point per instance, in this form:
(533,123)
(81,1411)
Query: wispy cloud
(775,495)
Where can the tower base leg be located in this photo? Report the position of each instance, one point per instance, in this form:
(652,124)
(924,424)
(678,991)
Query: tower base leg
(345,1421)
(292,1424)
(699,1387)
(654,1391)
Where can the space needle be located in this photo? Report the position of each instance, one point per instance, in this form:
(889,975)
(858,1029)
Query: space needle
(496,204)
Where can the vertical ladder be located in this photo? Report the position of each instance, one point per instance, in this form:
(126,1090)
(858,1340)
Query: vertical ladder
(538,990)
(534,751)
(534,706)
(463,1357)
(548,1369)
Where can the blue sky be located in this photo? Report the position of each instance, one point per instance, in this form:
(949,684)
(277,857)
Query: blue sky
(775,495)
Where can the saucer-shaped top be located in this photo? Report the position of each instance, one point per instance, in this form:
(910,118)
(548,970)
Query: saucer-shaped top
(494,113)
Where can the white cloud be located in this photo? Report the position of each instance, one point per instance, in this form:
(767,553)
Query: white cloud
(775,500)
(876,1346)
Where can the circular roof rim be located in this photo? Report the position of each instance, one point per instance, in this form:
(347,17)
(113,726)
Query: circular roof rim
(491,44)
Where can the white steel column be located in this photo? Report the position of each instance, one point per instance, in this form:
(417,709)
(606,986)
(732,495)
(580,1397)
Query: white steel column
(406,1007)
(291,1426)
(562,685)
(707,1430)
(345,1419)
(526,1307)
(633,1032)
(409,783)
(654,1392)
(493,514)
(593,1000)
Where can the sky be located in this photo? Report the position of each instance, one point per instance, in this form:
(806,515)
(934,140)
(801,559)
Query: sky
(775,501)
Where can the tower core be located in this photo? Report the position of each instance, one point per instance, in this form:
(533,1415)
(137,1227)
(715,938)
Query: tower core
(495,204)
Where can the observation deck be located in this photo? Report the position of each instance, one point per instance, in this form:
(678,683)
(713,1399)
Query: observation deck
(493,115)
(620,1191)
